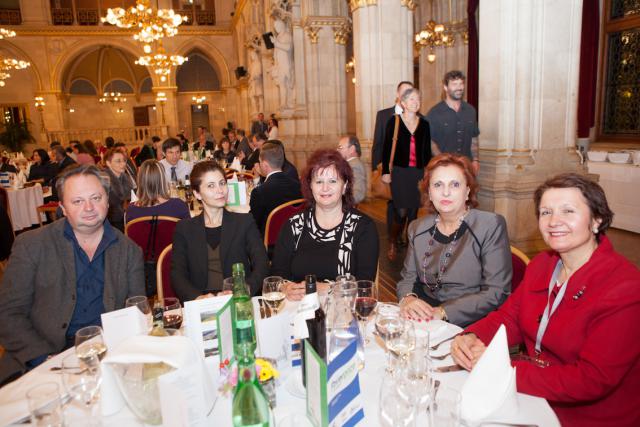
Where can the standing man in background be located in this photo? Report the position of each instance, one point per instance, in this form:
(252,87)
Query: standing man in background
(349,148)
(454,123)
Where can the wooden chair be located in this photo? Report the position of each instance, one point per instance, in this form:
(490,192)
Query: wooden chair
(278,217)
(163,271)
(48,208)
(519,262)
(153,234)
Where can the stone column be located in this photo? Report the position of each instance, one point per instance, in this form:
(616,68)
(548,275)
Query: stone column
(34,11)
(529,59)
(383,52)
(167,114)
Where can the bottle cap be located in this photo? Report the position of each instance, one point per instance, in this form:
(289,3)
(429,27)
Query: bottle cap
(310,283)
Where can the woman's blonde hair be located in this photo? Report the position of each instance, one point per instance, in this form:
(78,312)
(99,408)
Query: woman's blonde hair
(152,183)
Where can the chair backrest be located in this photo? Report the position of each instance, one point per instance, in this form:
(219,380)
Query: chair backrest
(4,199)
(240,175)
(278,217)
(163,271)
(519,263)
(140,231)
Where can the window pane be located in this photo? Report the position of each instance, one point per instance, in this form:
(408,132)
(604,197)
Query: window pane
(622,91)
(622,8)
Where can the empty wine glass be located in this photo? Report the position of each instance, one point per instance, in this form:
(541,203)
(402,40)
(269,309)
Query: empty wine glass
(445,408)
(394,409)
(272,292)
(366,302)
(172,316)
(45,405)
(89,342)
(142,302)
(389,323)
(82,382)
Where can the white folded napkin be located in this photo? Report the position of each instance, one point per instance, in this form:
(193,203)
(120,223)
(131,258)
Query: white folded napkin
(187,394)
(491,385)
(271,333)
(236,164)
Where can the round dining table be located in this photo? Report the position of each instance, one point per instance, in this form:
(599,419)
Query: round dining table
(290,410)
(22,206)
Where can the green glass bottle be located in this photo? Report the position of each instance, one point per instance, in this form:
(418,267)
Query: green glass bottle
(244,329)
(250,405)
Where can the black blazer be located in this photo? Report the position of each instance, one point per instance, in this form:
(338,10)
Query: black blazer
(382,117)
(422,136)
(239,242)
(276,190)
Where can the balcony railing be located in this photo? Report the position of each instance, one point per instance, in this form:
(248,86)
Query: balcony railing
(62,16)
(88,16)
(10,17)
(65,16)
(130,136)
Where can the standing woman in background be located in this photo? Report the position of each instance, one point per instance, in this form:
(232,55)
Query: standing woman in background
(273,129)
(403,167)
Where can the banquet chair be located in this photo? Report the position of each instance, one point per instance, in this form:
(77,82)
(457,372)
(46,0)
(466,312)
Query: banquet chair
(519,263)
(153,234)
(48,208)
(163,271)
(278,217)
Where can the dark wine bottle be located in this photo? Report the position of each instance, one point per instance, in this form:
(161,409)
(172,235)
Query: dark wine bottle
(316,325)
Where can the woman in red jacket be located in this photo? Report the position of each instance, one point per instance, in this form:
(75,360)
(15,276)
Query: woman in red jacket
(576,311)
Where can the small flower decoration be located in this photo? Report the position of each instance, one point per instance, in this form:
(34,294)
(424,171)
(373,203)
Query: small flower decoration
(265,370)
(229,374)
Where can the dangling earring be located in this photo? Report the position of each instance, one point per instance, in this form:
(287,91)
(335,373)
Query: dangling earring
(595,229)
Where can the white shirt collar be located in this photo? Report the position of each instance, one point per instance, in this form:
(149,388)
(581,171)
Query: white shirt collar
(398,109)
(271,173)
(351,158)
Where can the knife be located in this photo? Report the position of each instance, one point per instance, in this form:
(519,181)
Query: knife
(450,368)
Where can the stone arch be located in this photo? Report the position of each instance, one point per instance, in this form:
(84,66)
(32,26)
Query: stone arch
(212,53)
(33,69)
(80,48)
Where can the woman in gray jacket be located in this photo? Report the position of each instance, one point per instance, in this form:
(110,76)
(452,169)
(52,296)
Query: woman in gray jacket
(458,265)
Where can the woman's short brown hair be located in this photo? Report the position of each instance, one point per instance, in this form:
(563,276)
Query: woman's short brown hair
(591,191)
(449,159)
(112,152)
(322,159)
(152,183)
(200,169)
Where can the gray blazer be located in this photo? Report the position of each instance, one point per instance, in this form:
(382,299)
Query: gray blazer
(477,279)
(38,292)
(359,179)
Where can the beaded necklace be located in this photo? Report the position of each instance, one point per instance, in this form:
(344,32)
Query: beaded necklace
(444,257)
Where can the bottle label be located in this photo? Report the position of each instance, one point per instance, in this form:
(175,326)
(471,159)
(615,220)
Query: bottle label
(306,310)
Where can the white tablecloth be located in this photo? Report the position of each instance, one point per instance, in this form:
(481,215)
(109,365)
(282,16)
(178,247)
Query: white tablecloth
(23,204)
(531,410)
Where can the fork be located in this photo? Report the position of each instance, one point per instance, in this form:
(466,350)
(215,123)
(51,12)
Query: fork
(435,346)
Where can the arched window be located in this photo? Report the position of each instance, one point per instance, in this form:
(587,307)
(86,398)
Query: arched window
(197,74)
(82,87)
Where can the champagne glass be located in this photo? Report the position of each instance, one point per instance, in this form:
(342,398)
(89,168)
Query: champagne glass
(366,302)
(272,292)
(82,382)
(172,316)
(89,342)
(142,302)
(389,323)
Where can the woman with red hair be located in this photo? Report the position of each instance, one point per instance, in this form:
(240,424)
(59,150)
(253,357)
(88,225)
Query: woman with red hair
(458,265)
(330,237)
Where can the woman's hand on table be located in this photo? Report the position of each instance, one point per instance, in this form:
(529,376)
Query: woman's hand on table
(386,178)
(466,350)
(204,296)
(294,291)
(416,309)
(227,292)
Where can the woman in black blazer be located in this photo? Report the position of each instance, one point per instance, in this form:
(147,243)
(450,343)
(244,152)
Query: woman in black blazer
(206,246)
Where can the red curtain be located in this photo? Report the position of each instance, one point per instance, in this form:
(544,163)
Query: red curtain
(472,67)
(588,67)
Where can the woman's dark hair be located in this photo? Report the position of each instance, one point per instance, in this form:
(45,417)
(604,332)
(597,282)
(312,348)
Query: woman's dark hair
(44,156)
(200,169)
(90,146)
(275,122)
(448,159)
(322,159)
(224,139)
(591,191)
(81,148)
(112,152)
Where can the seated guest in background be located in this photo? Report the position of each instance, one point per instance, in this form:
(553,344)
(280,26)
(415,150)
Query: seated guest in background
(288,168)
(330,237)
(42,170)
(575,312)
(277,188)
(458,264)
(254,158)
(63,276)
(153,195)
(62,162)
(175,168)
(131,169)
(92,150)
(206,246)
(349,148)
(5,166)
(82,155)
(184,142)
(148,150)
(203,142)
(259,125)
(120,191)
(224,151)
(241,143)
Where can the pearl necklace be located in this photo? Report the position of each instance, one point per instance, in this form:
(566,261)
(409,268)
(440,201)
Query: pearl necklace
(444,258)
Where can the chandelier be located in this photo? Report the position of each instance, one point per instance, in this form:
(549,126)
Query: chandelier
(8,64)
(198,99)
(112,98)
(109,96)
(152,24)
(160,62)
(5,34)
(433,34)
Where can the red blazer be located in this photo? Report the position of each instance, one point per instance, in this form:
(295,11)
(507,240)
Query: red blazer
(592,341)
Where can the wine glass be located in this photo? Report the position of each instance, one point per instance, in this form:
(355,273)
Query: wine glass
(143,305)
(172,316)
(389,323)
(445,408)
(89,342)
(272,292)
(82,380)
(366,302)
(402,343)
(394,409)
(347,289)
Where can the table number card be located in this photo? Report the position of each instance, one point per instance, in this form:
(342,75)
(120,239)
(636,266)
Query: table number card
(209,325)
(237,193)
(333,390)
(119,325)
